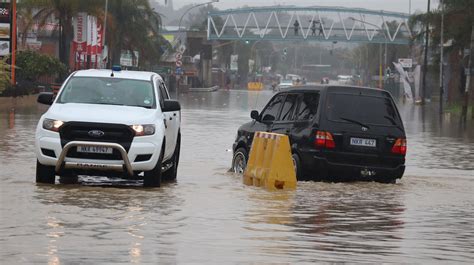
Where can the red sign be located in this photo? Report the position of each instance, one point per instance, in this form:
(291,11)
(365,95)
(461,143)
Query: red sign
(100,35)
(179,63)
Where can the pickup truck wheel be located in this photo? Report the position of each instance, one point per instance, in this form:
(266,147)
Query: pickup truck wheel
(239,161)
(172,172)
(152,178)
(68,178)
(45,174)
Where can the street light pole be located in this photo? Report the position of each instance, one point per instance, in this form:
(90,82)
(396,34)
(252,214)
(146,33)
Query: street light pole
(180,33)
(13,59)
(441,61)
(380,48)
(425,60)
(189,9)
(409,7)
(105,27)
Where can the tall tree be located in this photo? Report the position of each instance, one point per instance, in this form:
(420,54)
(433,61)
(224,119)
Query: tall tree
(134,25)
(62,12)
(458,21)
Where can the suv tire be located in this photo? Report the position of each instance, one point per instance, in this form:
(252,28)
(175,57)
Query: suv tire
(45,174)
(239,161)
(387,180)
(172,172)
(152,178)
(297,165)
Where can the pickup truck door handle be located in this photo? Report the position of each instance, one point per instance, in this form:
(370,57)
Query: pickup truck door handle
(166,125)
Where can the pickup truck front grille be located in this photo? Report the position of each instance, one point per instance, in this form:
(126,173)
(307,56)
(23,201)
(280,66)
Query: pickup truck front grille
(87,131)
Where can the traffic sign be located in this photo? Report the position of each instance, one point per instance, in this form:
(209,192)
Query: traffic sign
(179,71)
(405,62)
(283,58)
(182,48)
(179,63)
(163,70)
(178,56)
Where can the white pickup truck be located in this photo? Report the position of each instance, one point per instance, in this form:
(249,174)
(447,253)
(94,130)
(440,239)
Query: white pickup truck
(109,123)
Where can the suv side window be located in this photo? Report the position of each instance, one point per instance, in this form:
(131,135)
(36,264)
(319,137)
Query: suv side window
(270,113)
(308,106)
(289,107)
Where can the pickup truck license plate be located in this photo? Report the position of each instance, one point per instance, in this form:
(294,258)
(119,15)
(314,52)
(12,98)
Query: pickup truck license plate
(94,149)
(364,142)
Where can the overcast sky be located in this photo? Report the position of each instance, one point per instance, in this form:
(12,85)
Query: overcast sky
(388,5)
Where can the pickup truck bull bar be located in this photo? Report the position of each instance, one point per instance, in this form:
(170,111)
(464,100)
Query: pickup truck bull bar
(61,164)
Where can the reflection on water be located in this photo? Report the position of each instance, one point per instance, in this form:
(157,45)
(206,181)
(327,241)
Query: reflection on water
(209,216)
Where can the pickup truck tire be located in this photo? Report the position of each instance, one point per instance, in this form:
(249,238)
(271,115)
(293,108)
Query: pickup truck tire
(45,174)
(152,178)
(68,177)
(172,172)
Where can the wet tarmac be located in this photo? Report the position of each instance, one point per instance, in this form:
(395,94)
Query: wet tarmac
(208,215)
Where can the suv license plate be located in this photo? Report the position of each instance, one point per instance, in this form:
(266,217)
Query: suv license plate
(364,142)
(94,149)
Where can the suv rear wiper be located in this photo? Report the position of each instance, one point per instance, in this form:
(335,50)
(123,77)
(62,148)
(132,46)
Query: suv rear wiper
(354,121)
(392,120)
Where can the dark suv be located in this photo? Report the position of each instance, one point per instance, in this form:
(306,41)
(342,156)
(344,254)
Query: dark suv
(336,133)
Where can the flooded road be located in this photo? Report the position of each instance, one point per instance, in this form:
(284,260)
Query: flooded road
(209,216)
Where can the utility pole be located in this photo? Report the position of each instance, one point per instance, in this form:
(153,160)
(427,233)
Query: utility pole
(105,29)
(13,60)
(425,61)
(296,56)
(468,77)
(409,7)
(441,61)
(380,66)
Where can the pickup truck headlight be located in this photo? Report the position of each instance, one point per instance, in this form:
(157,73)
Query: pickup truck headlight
(52,125)
(143,130)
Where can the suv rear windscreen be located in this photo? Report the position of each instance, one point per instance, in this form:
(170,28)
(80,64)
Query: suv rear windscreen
(362,109)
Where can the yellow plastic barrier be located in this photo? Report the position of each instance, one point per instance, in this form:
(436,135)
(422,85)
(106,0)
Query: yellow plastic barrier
(270,164)
(255,85)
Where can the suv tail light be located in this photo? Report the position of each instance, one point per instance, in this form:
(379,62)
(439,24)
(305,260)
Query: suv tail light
(324,140)
(400,146)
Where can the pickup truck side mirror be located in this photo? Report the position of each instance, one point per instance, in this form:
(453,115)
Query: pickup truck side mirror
(45,98)
(254,115)
(171,105)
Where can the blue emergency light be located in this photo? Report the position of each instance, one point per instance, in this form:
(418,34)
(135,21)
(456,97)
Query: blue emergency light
(116,68)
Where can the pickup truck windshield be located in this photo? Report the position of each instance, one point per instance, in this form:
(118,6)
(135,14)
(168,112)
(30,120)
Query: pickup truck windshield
(370,110)
(108,91)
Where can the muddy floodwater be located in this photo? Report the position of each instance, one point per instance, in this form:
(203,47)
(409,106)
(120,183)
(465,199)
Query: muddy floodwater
(208,216)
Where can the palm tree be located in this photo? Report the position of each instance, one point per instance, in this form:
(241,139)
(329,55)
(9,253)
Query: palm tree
(4,74)
(61,11)
(131,24)
(134,25)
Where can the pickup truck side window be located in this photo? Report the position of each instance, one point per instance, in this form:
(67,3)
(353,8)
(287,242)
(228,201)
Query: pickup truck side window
(164,91)
(161,99)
